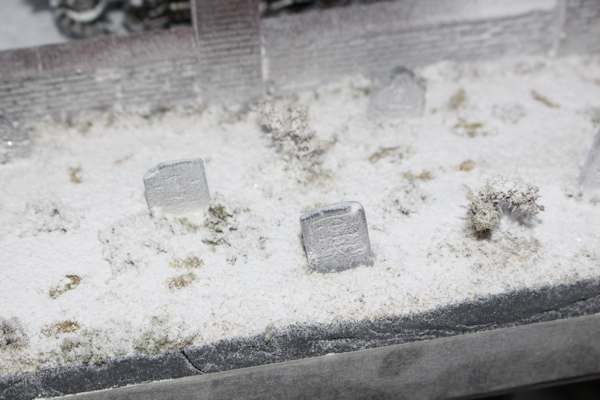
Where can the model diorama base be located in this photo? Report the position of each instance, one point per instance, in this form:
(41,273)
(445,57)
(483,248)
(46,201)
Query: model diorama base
(97,292)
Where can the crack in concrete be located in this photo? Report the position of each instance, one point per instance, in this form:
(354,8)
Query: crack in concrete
(190,362)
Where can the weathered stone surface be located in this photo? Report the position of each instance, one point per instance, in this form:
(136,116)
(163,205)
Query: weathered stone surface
(177,187)
(401,95)
(589,179)
(336,237)
(14,141)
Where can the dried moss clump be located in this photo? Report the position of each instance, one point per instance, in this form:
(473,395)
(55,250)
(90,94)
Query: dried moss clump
(70,282)
(181,281)
(161,336)
(287,126)
(12,335)
(62,327)
(469,128)
(458,100)
(544,100)
(466,166)
(502,197)
(75,175)
(190,262)
(385,152)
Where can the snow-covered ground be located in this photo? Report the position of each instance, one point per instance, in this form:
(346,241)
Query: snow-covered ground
(86,273)
(26,23)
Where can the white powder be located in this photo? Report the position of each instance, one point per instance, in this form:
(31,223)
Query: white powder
(89,275)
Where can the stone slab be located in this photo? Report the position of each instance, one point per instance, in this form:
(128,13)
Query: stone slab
(177,187)
(336,237)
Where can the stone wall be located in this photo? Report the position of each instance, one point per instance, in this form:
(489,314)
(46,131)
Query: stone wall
(231,54)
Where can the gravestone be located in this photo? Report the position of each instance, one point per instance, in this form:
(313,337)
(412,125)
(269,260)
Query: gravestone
(401,95)
(14,141)
(177,187)
(336,237)
(589,180)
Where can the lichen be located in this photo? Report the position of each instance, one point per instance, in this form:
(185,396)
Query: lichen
(502,197)
(69,283)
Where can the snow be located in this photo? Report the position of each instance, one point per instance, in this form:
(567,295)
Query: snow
(88,274)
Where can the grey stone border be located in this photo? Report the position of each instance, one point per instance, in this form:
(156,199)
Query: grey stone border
(301,341)
(462,366)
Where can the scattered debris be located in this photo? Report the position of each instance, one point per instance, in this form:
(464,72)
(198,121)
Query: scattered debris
(499,197)
(75,175)
(509,113)
(62,327)
(190,262)
(457,100)
(386,152)
(401,95)
(69,283)
(48,216)
(466,166)
(336,237)
(544,100)
(424,176)
(161,336)
(181,281)
(12,335)
(177,187)
(468,128)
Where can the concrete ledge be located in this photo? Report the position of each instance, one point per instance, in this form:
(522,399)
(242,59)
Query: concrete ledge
(300,341)
(461,366)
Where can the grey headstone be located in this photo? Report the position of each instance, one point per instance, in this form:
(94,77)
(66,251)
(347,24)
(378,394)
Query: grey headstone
(14,141)
(401,95)
(177,187)
(589,180)
(336,237)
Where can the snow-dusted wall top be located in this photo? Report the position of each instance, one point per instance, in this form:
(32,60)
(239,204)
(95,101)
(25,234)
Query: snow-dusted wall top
(231,55)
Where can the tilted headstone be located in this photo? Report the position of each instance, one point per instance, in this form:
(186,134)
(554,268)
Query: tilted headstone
(401,95)
(589,180)
(177,187)
(14,141)
(336,237)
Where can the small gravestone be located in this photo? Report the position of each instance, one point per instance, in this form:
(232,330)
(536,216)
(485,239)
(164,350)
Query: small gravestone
(589,180)
(336,237)
(400,95)
(177,187)
(14,141)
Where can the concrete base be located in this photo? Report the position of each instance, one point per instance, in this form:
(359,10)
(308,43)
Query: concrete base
(457,367)
(302,342)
